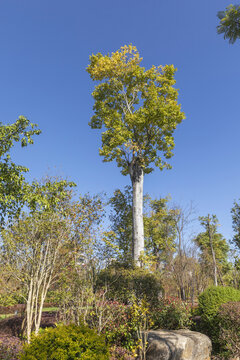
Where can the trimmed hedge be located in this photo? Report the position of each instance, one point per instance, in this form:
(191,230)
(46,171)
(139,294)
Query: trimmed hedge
(123,284)
(213,297)
(209,303)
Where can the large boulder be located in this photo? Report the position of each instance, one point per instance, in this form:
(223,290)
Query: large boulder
(178,345)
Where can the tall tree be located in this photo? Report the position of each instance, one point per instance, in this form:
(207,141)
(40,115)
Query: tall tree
(236,223)
(160,232)
(139,112)
(12,182)
(121,220)
(230,23)
(213,246)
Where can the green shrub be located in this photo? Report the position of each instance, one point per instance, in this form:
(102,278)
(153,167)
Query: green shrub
(172,314)
(213,297)
(209,303)
(67,342)
(229,326)
(123,284)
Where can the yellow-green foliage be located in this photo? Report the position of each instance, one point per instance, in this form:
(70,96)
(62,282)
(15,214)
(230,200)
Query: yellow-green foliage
(138,109)
(67,343)
(9,299)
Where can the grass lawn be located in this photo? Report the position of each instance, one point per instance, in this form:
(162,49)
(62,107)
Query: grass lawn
(49,309)
(4,316)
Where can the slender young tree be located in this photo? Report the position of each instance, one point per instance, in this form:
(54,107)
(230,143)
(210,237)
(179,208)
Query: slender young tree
(213,246)
(32,250)
(121,220)
(32,245)
(210,224)
(182,217)
(139,112)
(160,233)
(236,223)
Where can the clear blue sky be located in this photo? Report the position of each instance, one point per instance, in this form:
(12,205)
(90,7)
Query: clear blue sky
(45,46)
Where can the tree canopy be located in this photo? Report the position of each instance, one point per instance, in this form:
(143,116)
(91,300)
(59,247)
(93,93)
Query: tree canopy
(137,107)
(12,183)
(230,23)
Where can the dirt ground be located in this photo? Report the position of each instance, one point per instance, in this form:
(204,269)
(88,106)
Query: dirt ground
(10,328)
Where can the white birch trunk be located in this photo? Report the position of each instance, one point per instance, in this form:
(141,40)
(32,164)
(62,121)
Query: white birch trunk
(136,174)
(29,312)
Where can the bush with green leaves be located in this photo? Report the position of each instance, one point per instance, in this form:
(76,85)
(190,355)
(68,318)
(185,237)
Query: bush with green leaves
(229,324)
(123,284)
(172,314)
(213,297)
(209,303)
(67,342)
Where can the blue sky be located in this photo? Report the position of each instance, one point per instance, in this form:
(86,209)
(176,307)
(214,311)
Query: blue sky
(45,47)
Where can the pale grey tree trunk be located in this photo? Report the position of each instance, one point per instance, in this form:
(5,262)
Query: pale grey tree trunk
(136,174)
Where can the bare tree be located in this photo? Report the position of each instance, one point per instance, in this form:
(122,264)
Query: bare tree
(182,218)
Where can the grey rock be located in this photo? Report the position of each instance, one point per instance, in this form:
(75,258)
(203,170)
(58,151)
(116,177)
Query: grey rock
(178,345)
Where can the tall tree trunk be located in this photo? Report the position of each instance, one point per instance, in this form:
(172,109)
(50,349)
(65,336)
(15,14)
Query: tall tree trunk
(182,267)
(213,254)
(214,265)
(136,174)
